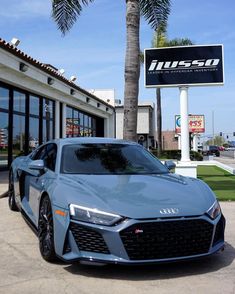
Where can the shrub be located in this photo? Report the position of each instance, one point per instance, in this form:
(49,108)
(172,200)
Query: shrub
(176,154)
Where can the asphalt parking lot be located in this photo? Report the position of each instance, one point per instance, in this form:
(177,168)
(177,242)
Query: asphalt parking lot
(22,270)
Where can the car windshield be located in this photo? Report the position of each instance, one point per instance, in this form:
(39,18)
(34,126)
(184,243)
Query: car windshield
(109,159)
(213,148)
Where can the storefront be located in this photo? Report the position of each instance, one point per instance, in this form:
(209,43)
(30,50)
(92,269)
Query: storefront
(38,104)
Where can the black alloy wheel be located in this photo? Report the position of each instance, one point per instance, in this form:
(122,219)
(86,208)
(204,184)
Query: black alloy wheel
(11,193)
(46,231)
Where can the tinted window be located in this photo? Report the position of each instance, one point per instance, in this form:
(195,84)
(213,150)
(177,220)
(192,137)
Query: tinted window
(48,154)
(109,159)
(38,152)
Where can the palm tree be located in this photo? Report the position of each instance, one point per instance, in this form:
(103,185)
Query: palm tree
(65,14)
(160,40)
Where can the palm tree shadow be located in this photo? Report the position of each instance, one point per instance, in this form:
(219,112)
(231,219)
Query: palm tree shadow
(160,271)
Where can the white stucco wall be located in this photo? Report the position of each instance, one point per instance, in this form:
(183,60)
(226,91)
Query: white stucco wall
(143,121)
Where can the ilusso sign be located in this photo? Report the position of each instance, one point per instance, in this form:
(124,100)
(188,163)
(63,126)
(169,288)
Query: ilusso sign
(184,66)
(196,123)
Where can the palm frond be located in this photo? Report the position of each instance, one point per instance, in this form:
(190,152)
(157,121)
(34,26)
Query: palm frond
(66,12)
(179,42)
(160,36)
(155,11)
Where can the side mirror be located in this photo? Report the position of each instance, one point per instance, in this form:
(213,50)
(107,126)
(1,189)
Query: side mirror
(37,165)
(170,164)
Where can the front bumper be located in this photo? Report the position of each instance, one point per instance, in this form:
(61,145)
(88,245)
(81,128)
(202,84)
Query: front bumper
(139,241)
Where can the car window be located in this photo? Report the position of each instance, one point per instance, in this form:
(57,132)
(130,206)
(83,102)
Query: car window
(49,156)
(109,159)
(38,153)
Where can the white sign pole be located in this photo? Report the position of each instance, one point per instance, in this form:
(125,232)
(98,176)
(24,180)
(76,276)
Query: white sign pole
(185,156)
(195,142)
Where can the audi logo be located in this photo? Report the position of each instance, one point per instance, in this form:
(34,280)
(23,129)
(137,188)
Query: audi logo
(169,211)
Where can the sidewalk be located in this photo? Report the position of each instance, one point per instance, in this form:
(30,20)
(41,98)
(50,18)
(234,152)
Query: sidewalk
(3,182)
(226,160)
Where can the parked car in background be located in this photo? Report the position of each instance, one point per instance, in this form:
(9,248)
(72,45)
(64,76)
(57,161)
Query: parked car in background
(212,150)
(221,148)
(111,201)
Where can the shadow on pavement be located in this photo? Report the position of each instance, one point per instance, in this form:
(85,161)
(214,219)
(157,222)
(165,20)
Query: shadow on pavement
(161,271)
(3,195)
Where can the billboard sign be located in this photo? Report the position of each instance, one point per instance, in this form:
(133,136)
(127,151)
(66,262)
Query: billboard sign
(184,66)
(196,124)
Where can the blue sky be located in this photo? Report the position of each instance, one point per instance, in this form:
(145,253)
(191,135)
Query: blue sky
(94,50)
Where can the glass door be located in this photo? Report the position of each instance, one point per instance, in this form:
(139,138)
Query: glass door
(3,140)
(4,128)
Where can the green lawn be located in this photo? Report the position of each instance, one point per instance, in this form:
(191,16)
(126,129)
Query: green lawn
(220,181)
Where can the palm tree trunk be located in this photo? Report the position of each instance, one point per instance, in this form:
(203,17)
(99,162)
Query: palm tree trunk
(159,122)
(132,70)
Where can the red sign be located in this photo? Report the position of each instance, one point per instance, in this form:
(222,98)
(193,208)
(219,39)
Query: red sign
(196,123)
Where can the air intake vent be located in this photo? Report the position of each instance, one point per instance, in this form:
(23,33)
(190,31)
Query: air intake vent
(88,239)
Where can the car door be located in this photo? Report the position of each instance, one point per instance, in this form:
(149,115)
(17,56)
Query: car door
(25,178)
(38,182)
(21,181)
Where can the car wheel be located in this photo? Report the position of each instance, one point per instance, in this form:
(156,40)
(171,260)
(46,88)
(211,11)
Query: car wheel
(11,193)
(46,231)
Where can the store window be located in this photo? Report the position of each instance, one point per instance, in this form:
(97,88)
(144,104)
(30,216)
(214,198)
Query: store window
(79,124)
(19,102)
(48,120)
(34,105)
(4,98)
(33,133)
(4,127)
(34,122)
(18,135)
(3,140)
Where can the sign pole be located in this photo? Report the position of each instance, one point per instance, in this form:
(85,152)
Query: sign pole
(185,156)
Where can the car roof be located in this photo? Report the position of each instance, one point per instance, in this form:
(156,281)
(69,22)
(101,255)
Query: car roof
(91,140)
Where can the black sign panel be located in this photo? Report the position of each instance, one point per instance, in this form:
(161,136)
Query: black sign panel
(184,66)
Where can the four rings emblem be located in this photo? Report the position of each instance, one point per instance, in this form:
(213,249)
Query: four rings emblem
(169,211)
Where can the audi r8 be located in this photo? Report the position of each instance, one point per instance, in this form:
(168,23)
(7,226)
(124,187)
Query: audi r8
(111,201)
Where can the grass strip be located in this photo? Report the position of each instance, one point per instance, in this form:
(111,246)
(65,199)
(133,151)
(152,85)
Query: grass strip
(219,180)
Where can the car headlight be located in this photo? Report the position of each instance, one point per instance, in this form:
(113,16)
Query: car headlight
(214,210)
(92,215)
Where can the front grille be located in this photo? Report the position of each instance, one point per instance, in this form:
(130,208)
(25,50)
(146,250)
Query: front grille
(167,239)
(88,239)
(219,231)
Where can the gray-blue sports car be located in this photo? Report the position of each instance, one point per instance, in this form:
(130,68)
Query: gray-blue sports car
(111,201)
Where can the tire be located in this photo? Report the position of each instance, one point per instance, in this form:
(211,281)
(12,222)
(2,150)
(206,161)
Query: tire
(46,231)
(11,194)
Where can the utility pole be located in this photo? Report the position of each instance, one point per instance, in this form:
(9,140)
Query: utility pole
(213,128)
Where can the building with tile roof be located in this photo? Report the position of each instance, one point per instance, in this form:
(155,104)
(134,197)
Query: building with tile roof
(37,103)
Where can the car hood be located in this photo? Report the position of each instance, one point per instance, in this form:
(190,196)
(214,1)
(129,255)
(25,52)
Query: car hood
(138,196)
